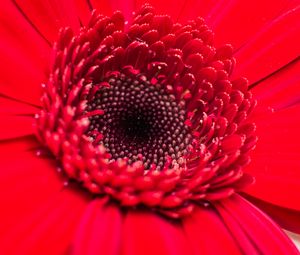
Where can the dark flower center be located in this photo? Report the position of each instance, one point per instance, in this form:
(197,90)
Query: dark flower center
(141,121)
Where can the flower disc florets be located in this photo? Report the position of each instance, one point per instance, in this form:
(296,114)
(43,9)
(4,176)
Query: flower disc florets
(146,114)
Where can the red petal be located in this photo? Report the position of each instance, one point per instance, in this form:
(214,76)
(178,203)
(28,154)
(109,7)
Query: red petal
(207,233)
(99,231)
(263,234)
(24,56)
(15,126)
(281,89)
(49,16)
(16,30)
(147,233)
(272,48)
(251,16)
(208,9)
(26,181)
(14,146)
(49,230)
(275,161)
(13,107)
(286,218)
(84,9)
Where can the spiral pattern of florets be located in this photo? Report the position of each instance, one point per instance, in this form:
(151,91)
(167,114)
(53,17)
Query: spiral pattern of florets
(147,115)
(140,121)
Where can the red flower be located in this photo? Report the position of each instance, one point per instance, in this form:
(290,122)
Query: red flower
(137,137)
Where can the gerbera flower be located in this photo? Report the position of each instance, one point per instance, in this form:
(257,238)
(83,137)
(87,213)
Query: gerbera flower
(131,132)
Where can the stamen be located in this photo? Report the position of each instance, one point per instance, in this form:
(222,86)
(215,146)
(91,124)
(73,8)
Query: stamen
(138,118)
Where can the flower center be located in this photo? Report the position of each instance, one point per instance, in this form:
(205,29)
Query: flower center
(141,121)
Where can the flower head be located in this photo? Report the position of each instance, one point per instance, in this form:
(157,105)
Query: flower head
(140,139)
(148,115)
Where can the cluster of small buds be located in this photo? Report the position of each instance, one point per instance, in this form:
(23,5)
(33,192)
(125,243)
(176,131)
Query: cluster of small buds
(148,116)
(140,121)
